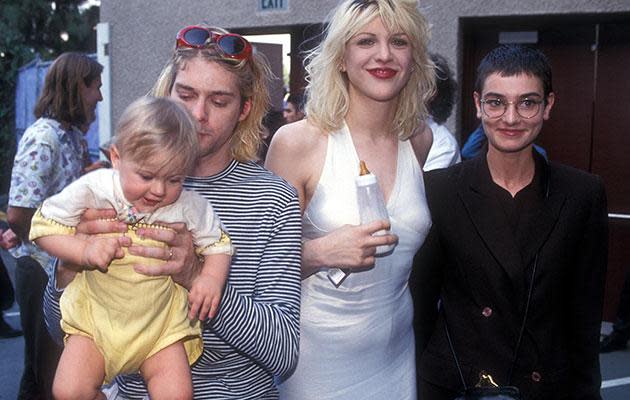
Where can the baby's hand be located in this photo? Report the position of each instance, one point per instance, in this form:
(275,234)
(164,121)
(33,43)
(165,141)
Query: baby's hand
(204,297)
(99,252)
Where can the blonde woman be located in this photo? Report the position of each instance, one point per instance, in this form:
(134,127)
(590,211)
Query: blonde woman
(369,80)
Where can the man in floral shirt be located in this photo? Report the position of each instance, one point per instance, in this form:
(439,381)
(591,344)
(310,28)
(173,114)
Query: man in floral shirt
(50,155)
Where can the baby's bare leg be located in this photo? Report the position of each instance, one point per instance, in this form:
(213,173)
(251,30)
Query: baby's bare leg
(167,374)
(80,372)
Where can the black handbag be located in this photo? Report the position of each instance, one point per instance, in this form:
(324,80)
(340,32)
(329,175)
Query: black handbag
(486,388)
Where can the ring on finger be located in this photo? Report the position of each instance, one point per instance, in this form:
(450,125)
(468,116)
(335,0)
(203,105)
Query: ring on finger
(170,253)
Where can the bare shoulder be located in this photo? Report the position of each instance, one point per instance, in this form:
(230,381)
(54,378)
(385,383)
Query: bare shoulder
(298,135)
(297,141)
(421,141)
(297,154)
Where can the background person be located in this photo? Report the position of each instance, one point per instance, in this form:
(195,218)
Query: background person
(618,338)
(254,336)
(369,80)
(271,122)
(50,155)
(444,150)
(294,107)
(514,238)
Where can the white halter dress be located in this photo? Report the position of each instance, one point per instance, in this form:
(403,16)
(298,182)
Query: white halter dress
(356,340)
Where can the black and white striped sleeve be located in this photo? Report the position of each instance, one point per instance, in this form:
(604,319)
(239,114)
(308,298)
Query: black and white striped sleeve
(52,313)
(264,325)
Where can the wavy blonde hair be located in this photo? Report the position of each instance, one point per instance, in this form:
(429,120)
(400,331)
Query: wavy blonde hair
(327,88)
(253,76)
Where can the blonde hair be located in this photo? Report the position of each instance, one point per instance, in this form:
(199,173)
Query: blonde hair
(253,77)
(327,89)
(153,126)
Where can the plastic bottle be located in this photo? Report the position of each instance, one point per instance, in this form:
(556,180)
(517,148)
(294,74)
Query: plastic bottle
(371,203)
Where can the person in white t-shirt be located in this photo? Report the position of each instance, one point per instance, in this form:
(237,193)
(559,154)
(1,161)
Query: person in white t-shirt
(445,149)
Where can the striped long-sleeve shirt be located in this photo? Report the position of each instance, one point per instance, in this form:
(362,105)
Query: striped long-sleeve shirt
(255,335)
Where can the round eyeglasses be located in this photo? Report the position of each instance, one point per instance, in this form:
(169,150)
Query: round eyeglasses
(525,108)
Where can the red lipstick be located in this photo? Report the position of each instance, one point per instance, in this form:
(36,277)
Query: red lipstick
(382,73)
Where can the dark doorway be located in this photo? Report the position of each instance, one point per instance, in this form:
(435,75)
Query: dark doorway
(590,123)
(304,38)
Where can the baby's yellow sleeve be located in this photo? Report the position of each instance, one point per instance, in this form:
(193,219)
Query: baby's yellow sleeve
(221,246)
(42,226)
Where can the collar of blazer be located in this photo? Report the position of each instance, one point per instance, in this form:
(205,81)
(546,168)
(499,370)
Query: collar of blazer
(492,225)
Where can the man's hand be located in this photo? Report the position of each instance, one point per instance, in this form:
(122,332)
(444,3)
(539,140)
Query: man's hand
(181,263)
(95,221)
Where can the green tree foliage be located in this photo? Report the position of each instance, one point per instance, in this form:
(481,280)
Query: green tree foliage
(27,28)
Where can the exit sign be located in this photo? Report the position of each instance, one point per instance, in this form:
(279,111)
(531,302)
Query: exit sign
(273,5)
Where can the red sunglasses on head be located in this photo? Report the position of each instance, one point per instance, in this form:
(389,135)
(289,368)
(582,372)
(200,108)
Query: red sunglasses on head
(231,45)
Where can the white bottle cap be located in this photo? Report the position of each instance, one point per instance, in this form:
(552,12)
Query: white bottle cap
(366,180)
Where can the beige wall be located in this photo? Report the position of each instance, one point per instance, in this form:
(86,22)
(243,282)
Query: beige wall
(142,33)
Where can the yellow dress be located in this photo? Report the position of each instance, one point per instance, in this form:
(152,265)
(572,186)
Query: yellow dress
(128,315)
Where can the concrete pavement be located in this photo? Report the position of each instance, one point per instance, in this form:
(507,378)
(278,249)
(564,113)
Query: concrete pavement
(615,366)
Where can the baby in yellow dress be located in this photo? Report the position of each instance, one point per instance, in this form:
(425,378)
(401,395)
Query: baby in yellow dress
(116,320)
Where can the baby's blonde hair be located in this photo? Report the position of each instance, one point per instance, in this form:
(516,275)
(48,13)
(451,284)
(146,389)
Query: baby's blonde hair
(327,89)
(153,126)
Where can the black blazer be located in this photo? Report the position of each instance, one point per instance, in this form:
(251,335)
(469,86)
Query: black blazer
(470,262)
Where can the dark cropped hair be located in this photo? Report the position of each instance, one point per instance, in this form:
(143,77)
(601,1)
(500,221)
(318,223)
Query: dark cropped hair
(441,104)
(297,99)
(514,59)
(61,96)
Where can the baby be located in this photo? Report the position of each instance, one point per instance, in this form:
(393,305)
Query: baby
(116,320)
